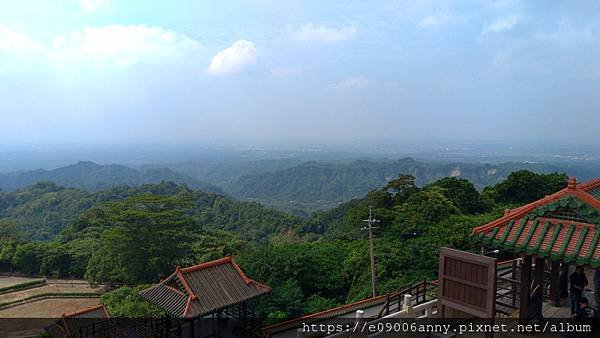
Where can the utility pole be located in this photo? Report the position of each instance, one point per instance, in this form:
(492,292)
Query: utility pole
(370,221)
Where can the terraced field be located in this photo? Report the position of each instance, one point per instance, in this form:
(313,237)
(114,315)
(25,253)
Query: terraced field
(52,286)
(6,281)
(49,308)
(66,296)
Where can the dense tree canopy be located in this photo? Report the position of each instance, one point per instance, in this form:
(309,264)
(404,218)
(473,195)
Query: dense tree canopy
(461,193)
(525,186)
(138,235)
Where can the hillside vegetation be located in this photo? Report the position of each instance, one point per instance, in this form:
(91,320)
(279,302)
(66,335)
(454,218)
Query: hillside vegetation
(42,210)
(313,186)
(139,235)
(94,177)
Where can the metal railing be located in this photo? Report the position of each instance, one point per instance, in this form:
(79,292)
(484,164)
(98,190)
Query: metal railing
(421,292)
(508,287)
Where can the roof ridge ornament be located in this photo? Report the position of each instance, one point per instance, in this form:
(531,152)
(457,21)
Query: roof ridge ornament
(572,185)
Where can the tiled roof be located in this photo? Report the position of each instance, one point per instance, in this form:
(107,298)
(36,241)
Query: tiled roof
(330,313)
(562,226)
(595,192)
(202,289)
(71,322)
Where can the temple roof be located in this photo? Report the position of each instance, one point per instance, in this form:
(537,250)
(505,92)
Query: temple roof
(562,226)
(326,314)
(203,289)
(71,322)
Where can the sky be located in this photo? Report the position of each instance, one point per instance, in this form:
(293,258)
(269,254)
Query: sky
(274,72)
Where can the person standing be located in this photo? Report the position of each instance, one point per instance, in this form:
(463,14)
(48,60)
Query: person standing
(578,281)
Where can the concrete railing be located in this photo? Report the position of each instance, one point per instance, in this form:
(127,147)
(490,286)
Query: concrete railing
(424,310)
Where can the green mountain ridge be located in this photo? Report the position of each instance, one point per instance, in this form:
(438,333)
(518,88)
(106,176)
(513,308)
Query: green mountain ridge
(94,177)
(137,235)
(314,186)
(43,209)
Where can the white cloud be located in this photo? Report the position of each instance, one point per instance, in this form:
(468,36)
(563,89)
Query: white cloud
(310,32)
(434,20)
(115,45)
(15,42)
(352,82)
(235,58)
(93,5)
(502,24)
(123,45)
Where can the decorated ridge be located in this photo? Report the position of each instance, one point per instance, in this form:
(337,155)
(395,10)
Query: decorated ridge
(203,289)
(562,226)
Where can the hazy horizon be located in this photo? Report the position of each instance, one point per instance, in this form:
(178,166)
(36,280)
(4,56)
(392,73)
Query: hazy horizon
(292,74)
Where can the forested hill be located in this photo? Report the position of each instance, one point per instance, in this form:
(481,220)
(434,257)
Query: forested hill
(93,177)
(44,209)
(319,185)
(138,235)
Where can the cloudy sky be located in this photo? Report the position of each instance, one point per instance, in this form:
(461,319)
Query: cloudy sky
(289,72)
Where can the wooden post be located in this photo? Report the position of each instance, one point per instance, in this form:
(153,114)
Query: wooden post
(513,285)
(563,281)
(554,292)
(525,284)
(538,296)
(387,303)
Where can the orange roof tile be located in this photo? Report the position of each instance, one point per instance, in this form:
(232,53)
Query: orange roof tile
(204,288)
(562,226)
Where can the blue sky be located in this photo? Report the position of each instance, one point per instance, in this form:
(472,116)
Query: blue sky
(299,72)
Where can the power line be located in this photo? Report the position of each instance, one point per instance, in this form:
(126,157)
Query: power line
(370,221)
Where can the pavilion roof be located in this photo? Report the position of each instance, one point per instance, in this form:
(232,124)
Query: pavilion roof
(203,289)
(562,226)
(71,322)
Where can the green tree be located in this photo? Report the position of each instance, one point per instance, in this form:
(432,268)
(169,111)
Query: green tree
(285,298)
(126,302)
(524,186)
(145,240)
(56,261)
(28,258)
(10,236)
(462,193)
(401,188)
(7,253)
(429,206)
(317,303)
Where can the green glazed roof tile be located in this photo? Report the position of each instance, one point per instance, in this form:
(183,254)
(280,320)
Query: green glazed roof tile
(511,243)
(582,235)
(565,244)
(532,228)
(531,249)
(593,244)
(548,249)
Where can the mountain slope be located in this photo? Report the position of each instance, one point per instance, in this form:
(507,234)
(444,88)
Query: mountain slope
(225,171)
(93,177)
(320,185)
(44,209)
